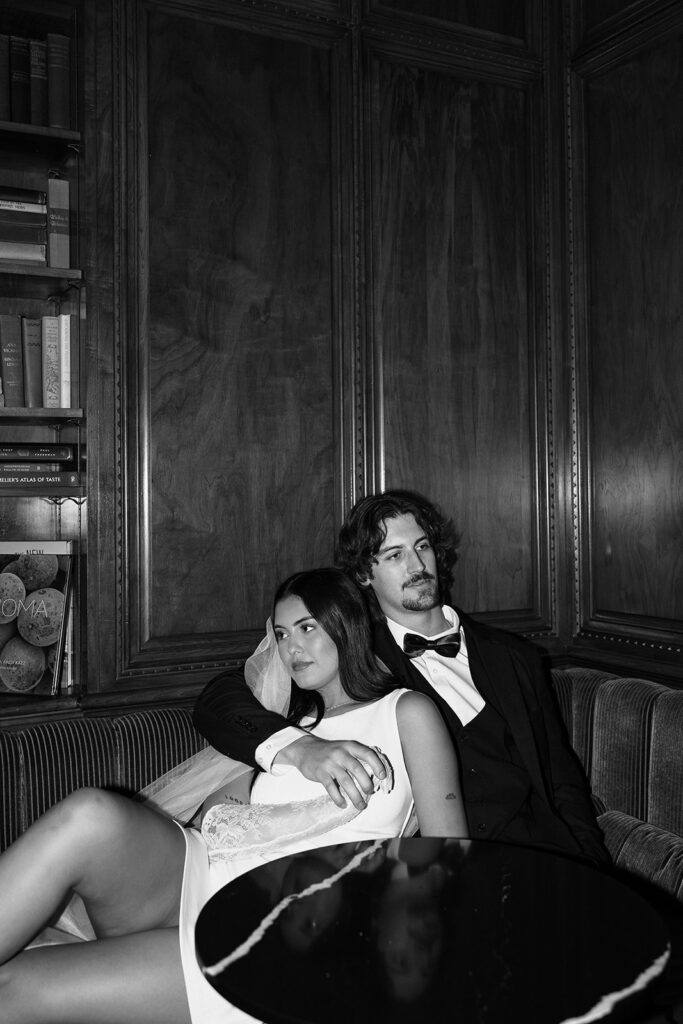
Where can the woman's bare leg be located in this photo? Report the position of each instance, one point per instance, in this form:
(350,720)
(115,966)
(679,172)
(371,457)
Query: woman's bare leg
(131,979)
(124,860)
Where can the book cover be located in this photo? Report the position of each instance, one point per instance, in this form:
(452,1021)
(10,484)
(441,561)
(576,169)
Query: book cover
(11,360)
(58,222)
(21,231)
(5,105)
(38,80)
(32,353)
(65,360)
(59,80)
(20,95)
(28,452)
(37,478)
(35,599)
(50,362)
(12,194)
(27,252)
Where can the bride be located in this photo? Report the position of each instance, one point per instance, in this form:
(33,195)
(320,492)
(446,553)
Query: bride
(143,877)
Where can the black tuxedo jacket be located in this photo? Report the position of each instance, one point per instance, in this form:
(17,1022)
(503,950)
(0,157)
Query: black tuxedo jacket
(508,673)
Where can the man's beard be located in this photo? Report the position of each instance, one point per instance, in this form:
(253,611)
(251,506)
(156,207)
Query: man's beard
(423,599)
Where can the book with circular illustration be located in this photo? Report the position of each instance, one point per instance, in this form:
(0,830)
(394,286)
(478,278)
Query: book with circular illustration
(36,645)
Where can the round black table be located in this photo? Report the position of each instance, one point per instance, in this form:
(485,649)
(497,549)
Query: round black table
(431,930)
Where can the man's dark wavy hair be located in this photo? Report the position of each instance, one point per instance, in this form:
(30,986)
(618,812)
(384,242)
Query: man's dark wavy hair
(363,533)
(337,605)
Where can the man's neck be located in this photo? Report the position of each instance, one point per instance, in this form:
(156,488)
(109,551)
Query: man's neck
(427,623)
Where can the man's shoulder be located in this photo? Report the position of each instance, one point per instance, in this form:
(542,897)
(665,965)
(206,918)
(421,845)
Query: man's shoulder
(482,632)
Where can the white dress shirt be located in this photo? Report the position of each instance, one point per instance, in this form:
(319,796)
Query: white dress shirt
(450,677)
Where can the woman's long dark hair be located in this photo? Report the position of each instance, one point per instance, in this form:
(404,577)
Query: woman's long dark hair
(337,605)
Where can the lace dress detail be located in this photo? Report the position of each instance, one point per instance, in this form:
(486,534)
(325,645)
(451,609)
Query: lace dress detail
(259,829)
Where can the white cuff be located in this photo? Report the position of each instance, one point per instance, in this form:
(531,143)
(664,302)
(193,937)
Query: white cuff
(270,748)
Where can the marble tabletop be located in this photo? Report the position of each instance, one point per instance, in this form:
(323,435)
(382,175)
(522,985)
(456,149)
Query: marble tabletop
(434,930)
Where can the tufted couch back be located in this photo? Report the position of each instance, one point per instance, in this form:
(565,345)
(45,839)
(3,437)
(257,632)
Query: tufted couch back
(628,734)
(43,763)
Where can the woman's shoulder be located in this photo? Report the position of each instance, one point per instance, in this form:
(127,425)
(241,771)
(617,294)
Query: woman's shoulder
(412,703)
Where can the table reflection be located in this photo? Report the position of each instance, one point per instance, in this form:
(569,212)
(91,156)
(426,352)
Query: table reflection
(430,929)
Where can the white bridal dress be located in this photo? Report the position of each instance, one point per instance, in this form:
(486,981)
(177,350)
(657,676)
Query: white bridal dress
(225,848)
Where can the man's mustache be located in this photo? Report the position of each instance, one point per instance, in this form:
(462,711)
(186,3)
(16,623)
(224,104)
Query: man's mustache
(419,577)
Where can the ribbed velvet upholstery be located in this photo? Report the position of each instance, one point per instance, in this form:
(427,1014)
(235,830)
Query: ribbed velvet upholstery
(11,796)
(644,850)
(628,734)
(575,690)
(43,763)
(59,757)
(665,794)
(622,742)
(149,743)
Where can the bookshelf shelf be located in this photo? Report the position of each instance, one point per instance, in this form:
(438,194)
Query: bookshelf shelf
(39,131)
(55,418)
(16,491)
(26,270)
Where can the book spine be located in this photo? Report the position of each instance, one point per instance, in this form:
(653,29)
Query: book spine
(5,104)
(76,400)
(58,222)
(23,217)
(27,452)
(65,360)
(38,81)
(28,468)
(26,251)
(23,195)
(33,479)
(32,351)
(15,231)
(50,348)
(11,360)
(20,95)
(59,80)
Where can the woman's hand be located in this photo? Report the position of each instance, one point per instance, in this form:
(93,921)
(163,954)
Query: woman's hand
(344,767)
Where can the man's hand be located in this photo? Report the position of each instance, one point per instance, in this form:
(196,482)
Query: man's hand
(336,765)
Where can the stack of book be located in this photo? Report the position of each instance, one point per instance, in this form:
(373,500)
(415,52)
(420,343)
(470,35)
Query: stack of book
(34,224)
(35,80)
(37,466)
(39,362)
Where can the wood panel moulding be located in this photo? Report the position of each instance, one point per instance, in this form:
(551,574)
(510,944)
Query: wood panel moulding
(459,320)
(629,512)
(234,440)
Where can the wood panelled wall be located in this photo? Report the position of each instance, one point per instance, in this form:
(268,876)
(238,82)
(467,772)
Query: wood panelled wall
(341,246)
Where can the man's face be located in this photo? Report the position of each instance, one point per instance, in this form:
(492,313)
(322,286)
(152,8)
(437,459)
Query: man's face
(404,577)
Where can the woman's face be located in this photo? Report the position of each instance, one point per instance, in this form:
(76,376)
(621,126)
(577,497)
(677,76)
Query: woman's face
(306,650)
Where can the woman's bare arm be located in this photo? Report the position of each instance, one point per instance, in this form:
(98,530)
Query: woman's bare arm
(432,767)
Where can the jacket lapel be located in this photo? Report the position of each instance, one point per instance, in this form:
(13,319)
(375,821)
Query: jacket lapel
(492,666)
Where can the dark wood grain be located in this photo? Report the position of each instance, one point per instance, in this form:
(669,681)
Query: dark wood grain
(240,460)
(504,17)
(635,414)
(451,317)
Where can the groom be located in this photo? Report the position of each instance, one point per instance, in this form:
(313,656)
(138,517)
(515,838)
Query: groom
(521,781)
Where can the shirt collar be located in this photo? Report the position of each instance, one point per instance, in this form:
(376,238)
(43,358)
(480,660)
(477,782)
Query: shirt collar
(398,631)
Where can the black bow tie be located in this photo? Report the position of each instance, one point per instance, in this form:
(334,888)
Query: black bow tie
(448,646)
